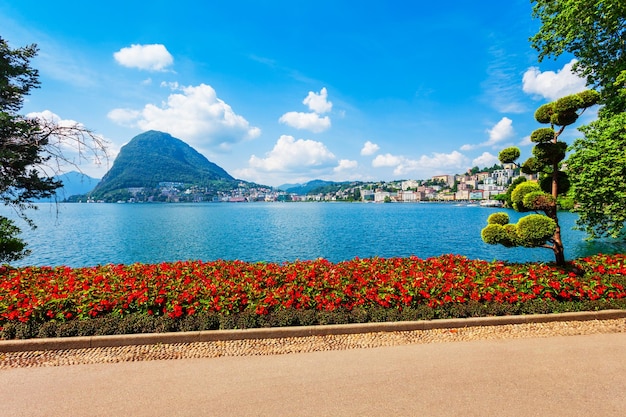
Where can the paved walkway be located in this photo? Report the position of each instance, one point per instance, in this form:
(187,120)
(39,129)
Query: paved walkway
(555,376)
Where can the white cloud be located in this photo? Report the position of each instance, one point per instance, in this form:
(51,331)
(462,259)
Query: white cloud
(387,160)
(196,115)
(345,165)
(153,57)
(124,117)
(308,121)
(369,148)
(485,160)
(553,85)
(442,162)
(318,102)
(500,132)
(291,155)
(526,141)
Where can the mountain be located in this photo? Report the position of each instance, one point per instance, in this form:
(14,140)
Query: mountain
(74,183)
(303,189)
(156,157)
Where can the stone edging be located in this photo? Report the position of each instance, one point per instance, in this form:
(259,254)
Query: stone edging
(85,342)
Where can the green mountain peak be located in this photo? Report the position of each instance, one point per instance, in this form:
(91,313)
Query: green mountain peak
(153,158)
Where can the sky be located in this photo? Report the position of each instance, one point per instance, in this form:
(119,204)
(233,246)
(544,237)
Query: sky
(283,92)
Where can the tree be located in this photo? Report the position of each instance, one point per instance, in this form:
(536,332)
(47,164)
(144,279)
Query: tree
(598,165)
(594,32)
(12,247)
(540,230)
(32,150)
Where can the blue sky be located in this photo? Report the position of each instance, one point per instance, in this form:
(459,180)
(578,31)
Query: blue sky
(288,91)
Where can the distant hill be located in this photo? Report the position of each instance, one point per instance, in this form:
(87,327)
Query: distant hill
(157,157)
(74,183)
(307,187)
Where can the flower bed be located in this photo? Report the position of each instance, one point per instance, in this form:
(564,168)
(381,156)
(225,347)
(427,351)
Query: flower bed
(194,295)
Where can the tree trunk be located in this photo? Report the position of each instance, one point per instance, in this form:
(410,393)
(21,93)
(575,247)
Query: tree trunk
(559,251)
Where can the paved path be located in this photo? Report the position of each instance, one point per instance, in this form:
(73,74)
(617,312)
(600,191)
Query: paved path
(556,376)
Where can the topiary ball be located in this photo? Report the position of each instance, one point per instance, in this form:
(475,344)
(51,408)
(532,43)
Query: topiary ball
(544,134)
(500,218)
(535,229)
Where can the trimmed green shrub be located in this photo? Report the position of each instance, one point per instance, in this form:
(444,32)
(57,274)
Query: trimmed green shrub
(517,196)
(498,218)
(535,229)
(542,135)
(544,113)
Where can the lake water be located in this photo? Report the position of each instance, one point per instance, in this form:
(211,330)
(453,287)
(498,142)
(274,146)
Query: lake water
(90,234)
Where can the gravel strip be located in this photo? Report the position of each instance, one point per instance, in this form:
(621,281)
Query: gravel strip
(278,346)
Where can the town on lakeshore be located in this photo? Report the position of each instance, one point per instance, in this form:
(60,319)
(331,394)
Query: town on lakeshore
(474,186)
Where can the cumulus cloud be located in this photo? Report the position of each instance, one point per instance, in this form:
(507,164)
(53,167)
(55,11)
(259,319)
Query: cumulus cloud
(500,132)
(50,117)
(307,121)
(369,148)
(526,141)
(153,57)
(345,165)
(553,85)
(318,104)
(402,165)
(485,160)
(195,114)
(291,155)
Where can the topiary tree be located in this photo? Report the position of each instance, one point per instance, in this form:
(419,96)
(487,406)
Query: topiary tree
(540,230)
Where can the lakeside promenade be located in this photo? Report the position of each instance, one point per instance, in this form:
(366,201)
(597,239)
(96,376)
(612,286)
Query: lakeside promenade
(578,375)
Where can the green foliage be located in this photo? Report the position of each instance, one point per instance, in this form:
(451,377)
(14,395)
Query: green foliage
(594,33)
(567,104)
(566,203)
(30,147)
(500,218)
(543,134)
(544,113)
(507,196)
(564,118)
(21,143)
(550,153)
(597,169)
(588,98)
(12,248)
(532,166)
(518,194)
(509,155)
(535,229)
(538,200)
(512,238)
(493,233)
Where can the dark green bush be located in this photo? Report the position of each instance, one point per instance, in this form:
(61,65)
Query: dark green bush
(136,323)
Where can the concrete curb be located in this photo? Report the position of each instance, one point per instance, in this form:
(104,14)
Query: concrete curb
(300,331)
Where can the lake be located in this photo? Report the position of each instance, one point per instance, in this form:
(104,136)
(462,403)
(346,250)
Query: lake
(91,234)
